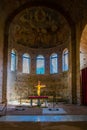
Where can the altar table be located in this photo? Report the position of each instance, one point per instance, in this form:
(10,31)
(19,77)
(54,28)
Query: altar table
(38,100)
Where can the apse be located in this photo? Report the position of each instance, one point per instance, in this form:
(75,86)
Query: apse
(41,39)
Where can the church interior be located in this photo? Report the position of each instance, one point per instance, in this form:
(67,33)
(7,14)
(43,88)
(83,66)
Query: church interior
(43,56)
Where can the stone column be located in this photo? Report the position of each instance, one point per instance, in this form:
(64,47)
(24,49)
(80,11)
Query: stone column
(78,38)
(60,62)
(47,64)
(74,66)
(19,62)
(33,65)
(4,70)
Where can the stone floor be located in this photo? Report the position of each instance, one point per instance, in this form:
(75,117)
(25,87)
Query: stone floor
(69,117)
(68,109)
(43,118)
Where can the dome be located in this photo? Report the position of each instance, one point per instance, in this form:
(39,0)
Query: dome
(39,27)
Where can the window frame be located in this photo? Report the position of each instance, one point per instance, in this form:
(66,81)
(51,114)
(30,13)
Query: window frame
(53,57)
(41,58)
(65,56)
(26,57)
(13,59)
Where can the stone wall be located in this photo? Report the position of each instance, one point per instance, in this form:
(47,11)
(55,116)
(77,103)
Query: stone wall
(21,85)
(24,86)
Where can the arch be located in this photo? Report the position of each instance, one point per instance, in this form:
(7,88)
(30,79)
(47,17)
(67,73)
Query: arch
(83,66)
(11,17)
(26,63)
(54,63)
(40,64)
(13,60)
(47,4)
(65,60)
(83,48)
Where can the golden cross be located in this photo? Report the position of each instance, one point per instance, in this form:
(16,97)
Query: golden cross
(39,86)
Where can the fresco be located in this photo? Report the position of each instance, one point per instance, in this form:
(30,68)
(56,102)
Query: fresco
(39,27)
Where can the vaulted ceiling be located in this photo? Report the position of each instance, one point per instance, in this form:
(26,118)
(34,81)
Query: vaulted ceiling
(71,11)
(39,27)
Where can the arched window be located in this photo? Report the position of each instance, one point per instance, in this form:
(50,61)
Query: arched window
(54,63)
(40,65)
(13,60)
(65,63)
(26,63)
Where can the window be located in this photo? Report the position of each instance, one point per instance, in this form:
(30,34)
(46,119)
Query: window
(26,63)
(13,60)
(65,60)
(54,63)
(40,63)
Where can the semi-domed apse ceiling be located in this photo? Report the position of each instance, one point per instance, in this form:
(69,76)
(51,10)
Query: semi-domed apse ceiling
(39,27)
